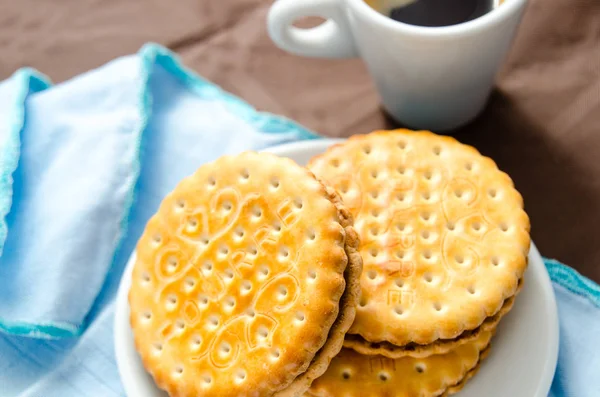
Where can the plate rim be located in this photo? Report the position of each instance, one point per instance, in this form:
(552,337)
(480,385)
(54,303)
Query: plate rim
(121,320)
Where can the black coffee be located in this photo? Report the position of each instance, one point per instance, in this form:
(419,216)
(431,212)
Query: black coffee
(441,12)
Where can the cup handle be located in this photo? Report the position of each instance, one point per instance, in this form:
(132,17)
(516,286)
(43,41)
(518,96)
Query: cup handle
(331,39)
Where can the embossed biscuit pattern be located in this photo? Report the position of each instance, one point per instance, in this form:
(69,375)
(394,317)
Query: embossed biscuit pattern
(444,237)
(238,278)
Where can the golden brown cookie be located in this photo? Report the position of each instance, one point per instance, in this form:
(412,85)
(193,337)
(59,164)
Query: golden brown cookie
(245,280)
(440,346)
(444,237)
(353,374)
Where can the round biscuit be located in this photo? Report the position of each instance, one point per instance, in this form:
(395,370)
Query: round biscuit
(444,237)
(240,278)
(351,374)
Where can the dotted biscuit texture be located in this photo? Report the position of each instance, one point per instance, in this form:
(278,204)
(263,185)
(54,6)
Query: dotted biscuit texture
(352,374)
(240,279)
(444,237)
(441,346)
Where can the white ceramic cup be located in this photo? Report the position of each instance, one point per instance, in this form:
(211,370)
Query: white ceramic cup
(436,78)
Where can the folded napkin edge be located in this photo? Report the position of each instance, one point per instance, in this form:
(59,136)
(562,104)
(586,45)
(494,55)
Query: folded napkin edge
(572,280)
(50,330)
(263,121)
(28,80)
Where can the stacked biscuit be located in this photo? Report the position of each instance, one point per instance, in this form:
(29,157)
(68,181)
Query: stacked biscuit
(246,280)
(249,278)
(444,240)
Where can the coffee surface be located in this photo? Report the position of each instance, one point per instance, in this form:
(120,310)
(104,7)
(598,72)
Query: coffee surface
(433,13)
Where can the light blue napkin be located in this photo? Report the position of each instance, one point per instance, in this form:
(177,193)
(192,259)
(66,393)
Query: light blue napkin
(82,167)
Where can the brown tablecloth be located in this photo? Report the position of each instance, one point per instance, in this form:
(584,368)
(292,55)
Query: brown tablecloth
(542,125)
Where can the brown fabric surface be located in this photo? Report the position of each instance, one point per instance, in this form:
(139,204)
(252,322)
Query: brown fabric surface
(542,125)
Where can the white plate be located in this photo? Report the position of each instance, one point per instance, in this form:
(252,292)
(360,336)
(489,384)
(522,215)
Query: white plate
(524,350)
